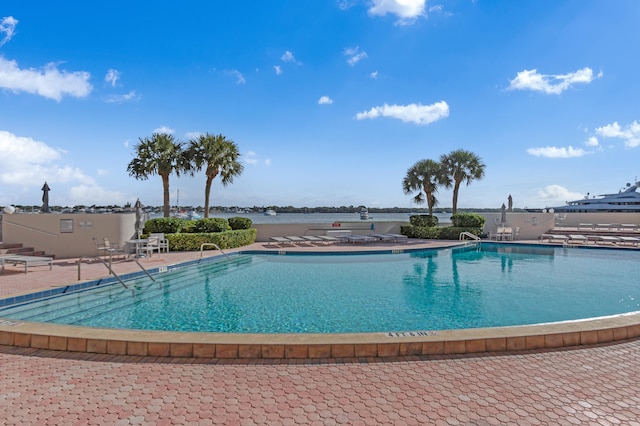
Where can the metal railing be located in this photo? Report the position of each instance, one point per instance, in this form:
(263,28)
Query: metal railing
(469,235)
(111,271)
(215,246)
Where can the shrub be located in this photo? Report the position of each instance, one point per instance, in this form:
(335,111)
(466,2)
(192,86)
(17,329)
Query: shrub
(423,220)
(437,233)
(240,222)
(423,232)
(214,224)
(167,225)
(224,240)
(467,220)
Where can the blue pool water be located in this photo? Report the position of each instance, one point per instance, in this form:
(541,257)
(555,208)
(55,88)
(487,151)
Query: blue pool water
(499,285)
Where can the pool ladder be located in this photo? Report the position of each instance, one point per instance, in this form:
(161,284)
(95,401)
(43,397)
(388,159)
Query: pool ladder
(202,246)
(108,266)
(475,239)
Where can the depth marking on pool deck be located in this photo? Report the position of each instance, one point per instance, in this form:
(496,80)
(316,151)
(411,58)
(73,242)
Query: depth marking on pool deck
(411,333)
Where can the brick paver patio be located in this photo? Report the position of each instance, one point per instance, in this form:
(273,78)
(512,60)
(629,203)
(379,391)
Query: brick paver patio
(597,385)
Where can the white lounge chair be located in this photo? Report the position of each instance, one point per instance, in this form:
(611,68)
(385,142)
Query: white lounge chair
(26,261)
(604,239)
(295,239)
(632,241)
(554,237)
(357,239)
(329,239)
(314,239)
(579,239)
(280,240)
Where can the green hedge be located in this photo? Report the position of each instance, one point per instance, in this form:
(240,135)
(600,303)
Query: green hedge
(225,240)
(423,220)
(467,220)
(168,225)
(211,224)
(240,222)
(437,233)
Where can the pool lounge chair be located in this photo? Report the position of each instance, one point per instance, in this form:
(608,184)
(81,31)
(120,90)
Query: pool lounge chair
(391,238)
(26,261)
(554,238)
(353,239)
(577,239)
(604,239)
(632,241)
(329,239)
(280,240)
(295,239)
(313,239)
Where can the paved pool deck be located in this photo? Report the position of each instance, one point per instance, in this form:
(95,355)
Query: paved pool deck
(589,384)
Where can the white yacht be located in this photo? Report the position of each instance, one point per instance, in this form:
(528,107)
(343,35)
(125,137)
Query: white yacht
(269,212)
(625,201)
(364,213)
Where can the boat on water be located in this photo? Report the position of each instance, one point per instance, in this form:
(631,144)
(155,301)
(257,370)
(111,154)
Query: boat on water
(625,201)
(189,215)
(364,213)
(269,212)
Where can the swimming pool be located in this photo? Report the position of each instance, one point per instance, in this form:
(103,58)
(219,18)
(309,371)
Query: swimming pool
(459,288)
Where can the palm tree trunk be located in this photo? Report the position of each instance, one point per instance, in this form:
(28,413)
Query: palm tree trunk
(207,191)
(456,187)
(165,187)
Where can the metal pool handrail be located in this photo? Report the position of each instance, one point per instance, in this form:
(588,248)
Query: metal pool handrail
(470,235)
(108,266)
(214,245)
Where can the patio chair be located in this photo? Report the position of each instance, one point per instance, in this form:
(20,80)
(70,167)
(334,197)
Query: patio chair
(163,243)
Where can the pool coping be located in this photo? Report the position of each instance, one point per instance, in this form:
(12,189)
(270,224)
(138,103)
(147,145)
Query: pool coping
(313,346)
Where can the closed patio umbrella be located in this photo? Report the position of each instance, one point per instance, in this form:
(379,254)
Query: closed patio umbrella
(45,198)
(138,225)
(503,214)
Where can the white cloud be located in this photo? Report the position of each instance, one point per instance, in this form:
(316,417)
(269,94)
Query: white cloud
(288,57)
(22,157)
(164,129)
(354,55)
(112,77)
(132,96)
(557,195)
(592,141)
(630,133)
(325,100)
(193,135)
(345,4)
(551,84)
(48,82)
(374,75)
(92,194)
(413,113)
(278,69)
(267,162)
(102,172)
(250,158)
(238,76)
(8,27)
(406,10)
(557,152)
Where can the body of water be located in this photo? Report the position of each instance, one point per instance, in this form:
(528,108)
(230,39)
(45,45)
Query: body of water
(282,218)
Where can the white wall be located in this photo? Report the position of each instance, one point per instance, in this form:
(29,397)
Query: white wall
(48,232)
(531,225)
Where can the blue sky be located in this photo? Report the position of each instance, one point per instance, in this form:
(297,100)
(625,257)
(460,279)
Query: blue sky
(330,102)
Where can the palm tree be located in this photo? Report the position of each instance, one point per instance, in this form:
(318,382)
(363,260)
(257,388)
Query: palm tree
(460,166)
(425,176)
(218,155)
(161,154)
